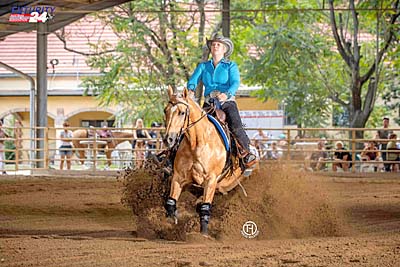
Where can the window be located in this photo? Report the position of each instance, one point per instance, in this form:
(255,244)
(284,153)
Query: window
(97,123)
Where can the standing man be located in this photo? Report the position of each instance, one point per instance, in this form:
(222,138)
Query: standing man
(384,134)
(3,135)
(221,79)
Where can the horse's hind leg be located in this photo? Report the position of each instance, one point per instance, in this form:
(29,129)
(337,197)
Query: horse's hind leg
(204,209)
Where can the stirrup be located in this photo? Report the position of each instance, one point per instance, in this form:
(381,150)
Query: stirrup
(249,160)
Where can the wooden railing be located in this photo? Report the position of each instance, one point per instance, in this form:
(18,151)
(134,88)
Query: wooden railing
(295,151)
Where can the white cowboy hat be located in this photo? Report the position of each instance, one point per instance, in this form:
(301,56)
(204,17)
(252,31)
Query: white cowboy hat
(224,40)
(339,142)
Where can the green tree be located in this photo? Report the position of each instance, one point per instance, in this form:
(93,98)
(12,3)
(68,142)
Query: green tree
(298,60)
(155,49)
(288,59)
(365,72)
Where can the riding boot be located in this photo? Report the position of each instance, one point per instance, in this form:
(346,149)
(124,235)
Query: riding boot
(248,158)
(204,210)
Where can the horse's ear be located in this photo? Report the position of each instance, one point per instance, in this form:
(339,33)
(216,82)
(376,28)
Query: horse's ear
(170,91)
(185,93)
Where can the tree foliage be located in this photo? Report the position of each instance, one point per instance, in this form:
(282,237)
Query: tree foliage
(303,63)
(315,61)
(365,72)
(154,49)
(286,48)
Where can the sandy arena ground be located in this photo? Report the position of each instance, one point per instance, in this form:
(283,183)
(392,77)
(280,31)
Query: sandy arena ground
(303,220)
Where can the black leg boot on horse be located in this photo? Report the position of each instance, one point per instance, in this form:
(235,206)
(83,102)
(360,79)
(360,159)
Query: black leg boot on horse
(204,211)
(171,211)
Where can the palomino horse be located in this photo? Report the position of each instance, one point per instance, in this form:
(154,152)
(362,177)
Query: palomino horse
(200,157)
(113,139)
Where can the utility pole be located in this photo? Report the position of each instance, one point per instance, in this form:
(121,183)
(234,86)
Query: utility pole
(226,18)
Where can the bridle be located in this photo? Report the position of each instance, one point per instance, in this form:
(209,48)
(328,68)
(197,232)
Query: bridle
(186,124)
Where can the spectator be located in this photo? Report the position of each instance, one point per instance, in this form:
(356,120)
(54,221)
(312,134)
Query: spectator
(317,160)
(3,135)
(260,142)
(66,146)
(384,134)
(341,158)
(296,139)
(282,140)
(371,153)
(105,132)
(393,153)
(274,152)
(140,136)
(154,144)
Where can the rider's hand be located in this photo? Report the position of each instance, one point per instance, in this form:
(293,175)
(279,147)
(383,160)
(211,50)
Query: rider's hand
(222,97)
(191,94)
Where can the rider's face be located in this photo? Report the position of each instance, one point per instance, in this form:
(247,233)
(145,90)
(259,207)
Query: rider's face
(218,48)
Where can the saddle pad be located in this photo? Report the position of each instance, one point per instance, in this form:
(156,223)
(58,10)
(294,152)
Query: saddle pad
(220,131)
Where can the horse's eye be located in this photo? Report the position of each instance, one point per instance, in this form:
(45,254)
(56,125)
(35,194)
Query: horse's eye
(181,113)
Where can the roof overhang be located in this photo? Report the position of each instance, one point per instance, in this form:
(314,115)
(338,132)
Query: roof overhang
(66,12)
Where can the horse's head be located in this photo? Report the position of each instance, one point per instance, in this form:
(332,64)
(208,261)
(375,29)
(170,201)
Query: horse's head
(176,116)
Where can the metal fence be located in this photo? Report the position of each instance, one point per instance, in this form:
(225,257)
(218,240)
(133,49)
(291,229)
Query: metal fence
(295,146)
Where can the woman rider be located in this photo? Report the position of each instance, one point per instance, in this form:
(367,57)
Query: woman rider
(221,79)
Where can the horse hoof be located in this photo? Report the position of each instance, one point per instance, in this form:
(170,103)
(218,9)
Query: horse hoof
(247,172)
(206,236)
(172,220)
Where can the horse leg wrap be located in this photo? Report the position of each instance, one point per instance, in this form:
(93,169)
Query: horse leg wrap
(170,207)
(204,210)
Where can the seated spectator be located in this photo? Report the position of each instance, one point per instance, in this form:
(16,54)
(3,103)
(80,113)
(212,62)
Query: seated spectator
(317,160)
(341,158)
(371,153)
(394,153)
(274,152)
(260,142)
(296,139)
(282,140)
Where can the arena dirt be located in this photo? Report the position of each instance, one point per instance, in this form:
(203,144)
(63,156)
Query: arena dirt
(285,203)
(304,219)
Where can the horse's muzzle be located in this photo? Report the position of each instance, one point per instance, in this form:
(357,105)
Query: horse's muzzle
(170,140)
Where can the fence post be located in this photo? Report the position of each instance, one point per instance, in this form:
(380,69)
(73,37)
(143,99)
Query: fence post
(288,145)
(46,148)
(353,150)
(94,150)
(16,153)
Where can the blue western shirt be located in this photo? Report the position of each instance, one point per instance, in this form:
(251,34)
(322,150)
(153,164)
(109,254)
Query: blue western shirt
(225,78)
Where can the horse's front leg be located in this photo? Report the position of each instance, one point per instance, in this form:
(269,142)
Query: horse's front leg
(170,204)
(204,208)
(82,155)
(108,156)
